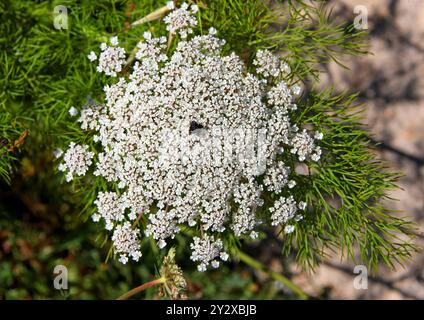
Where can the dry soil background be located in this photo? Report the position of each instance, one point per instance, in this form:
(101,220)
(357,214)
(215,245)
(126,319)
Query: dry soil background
(391,82)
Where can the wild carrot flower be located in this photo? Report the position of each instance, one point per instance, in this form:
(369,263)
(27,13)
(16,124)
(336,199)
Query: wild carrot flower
(192,138)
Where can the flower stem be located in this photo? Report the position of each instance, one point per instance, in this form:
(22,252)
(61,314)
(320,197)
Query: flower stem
(157,14)
(138,289)
(137,220)
(276,276)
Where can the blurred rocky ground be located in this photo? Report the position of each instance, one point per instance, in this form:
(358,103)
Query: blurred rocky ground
(391,82)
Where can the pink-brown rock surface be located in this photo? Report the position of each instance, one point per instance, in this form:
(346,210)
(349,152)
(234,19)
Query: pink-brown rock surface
(391,82)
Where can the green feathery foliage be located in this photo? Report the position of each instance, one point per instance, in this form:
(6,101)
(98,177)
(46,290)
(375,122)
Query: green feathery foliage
(347,190)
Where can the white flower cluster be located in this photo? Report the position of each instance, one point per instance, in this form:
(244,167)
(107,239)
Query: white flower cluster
(285,210)
(193,139)
(269,65)
(126,242)
(77,160)
(304,146)
(162,226)
(110,207)
(181,20)
(277,178)
(248,198)
(206,251)
(111,59)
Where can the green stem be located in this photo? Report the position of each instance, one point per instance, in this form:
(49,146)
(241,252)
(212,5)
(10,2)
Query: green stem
(276,276)
(138,289)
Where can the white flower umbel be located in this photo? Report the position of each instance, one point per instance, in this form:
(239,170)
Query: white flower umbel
(162,225)
(248,197)
(181,20)
(191,139)
(110,207)
(304,146)
(126,243)
(77,160)
(283,211)
(269,65)
(277,177)
(206,251)
(111,59)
